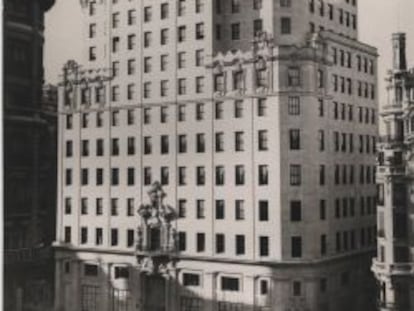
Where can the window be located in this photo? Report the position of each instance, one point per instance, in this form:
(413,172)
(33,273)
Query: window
(201,143)
(220,209)
(98,206)
(182,241)
(199,31)
(230,284)
(131,91)
(191,279)
(199,85)
(297,288)
(293,76)
(114,176)
(114,237)
(257,26)
(181,86)
(181,59)
(132,17)
(164,144)
(67,235)
(98,236)
(238,141)
(295,175)
(263,175)
(294,139)
(240,244)
(147,64)
(181,33)
(321,175)
(68,206)
(163,62)
(164,36)
(264,246)
(84,206)
(262,140)
(69,121)
(201,242)
(200,209)
(164,10)
(263,210)
(237,80)
(321,139)
(235,31)
(285,25)
(92,8)
(257,4)
(220,246)
(182,176)
(115,146)
(147,175)
(147,145)
(219,142)
(115,93)
(131,42)
(69,148)
(219,83)
(218,32)
(115,44)
(182,143)
(296,242)
(295,211)
(84,235)
(238,109)
(264,287)
(68,176)
(130,207)
(181,7)
(147,89)
(92,53)
(92,30)
(85,120)
(130,176)
(261,107)
(131,67)
(201,176)
(285,3)
(84,176)
(235,6)
(147,38)
(99,176)
(147,14)
(90,270)
(182,209)
(239,209)
(199,58)
(240,175)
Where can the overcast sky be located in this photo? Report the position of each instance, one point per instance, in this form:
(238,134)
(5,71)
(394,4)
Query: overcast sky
(378,19)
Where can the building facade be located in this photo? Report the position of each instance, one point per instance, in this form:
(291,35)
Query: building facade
(244,134)
(29,160)
(393,265)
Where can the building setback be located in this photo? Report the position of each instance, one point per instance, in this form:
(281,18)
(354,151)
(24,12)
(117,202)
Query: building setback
(393,265)
(243,132)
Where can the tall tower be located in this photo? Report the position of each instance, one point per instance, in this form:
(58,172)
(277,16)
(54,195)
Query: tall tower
(29,160)
(256,120)
(393,265)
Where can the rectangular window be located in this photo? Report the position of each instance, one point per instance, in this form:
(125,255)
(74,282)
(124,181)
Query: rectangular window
(264,246)
(201,176)
(201,143)
(164,36)
(219,142)
(261,107)
(263,140)
(200,209)
(164,10)
(235,6)
(199,31)
(294,105)
(240,175)
(68,235)
(114,237)
(295,175)
(182,177)
(240,244)
(199,58)
(181,33)
(147,14)
(238,109)
(165,175)
(147,38)
(98,236)
(131,176)
(199,85)
(294,139)
(164,144)
(296,247)
(263,210)
(220,246)
(239,209)
(263,175)
(131,67)
(219,83)
(238,141)
(230,284)
(293,76)
(201,242)
(132,17)
(182,143)
(147,176)
(220,209)
(295,211)
(182,208)
(182,241)
(235,31)
(131,42)
(285,24)
(199,111)
(182,86)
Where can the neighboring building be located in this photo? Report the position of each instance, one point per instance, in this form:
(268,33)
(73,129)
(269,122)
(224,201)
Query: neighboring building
(29,161)
(393,266)
(258,121)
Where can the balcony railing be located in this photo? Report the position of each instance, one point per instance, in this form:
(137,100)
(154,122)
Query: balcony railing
(389,139)
(27,255)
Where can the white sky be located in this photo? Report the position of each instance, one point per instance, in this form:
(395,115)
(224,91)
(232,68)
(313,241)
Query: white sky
(378,19)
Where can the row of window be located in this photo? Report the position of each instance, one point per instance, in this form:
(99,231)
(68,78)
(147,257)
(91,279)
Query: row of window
(85,237)
(345,207)
(182,113)
(345,59)
(346,175)
(344,112)
(200,177)
(346,86)
(344,17)
(345,142)
(347,241)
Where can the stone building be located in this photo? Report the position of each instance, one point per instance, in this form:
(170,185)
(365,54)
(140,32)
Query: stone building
(393,266)
(244,134)
(29,160)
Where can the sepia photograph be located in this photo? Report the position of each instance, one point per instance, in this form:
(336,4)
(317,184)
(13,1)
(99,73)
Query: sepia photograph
(208,155)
